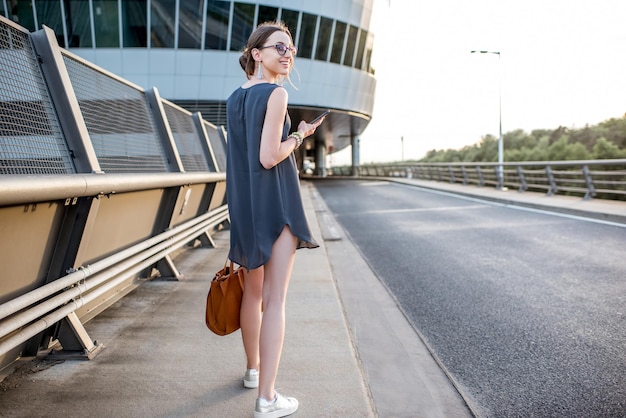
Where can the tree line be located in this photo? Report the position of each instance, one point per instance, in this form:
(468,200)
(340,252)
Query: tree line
(606,140)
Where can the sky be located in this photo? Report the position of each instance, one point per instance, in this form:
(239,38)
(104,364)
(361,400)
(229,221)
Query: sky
(561,63)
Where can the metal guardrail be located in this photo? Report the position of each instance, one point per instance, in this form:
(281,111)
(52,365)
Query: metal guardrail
(604,179)
(19,190)
(101,182)
(38,309)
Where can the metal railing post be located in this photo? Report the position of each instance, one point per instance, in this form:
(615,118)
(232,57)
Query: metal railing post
(499,176)
(522,179)
(206,143)
(481,180)
(591,191)
(65,101)
(553,188)
(164,130)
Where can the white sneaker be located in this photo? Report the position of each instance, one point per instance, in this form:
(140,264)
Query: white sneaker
(251,379)
(279,407)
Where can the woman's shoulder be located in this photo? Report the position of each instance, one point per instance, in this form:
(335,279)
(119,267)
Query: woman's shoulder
(259,86)
(254,89)
(264,91)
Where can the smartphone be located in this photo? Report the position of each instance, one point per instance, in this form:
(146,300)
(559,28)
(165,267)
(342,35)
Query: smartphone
(320,116)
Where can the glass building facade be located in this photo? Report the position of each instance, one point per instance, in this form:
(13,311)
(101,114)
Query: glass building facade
(197,24)
(189,50)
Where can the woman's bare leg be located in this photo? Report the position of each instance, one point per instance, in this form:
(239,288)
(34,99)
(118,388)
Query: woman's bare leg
(250,316)
(276,281)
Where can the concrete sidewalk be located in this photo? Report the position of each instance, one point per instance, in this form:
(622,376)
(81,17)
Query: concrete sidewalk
(346,354)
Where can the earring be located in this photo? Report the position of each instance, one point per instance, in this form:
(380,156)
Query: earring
(259,74)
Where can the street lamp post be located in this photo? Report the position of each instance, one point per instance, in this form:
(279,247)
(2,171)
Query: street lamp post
(500,170)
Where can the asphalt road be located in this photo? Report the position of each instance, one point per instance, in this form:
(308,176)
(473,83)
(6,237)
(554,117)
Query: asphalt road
(525,310)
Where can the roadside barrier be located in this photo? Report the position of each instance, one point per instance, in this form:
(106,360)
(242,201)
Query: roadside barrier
(102,183)
(602,179)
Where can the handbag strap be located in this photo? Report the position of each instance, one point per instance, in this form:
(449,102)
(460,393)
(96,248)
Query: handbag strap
(241,278)
(232,271)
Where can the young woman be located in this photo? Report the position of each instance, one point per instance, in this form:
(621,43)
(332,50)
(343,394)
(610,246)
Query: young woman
(267,220)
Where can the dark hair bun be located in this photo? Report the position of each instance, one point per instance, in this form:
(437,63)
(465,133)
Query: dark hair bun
(243,60)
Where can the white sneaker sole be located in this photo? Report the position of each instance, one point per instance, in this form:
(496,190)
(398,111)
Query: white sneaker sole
(279,413)
(276,414)
(250,384)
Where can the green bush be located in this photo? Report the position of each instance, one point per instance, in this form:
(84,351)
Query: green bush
(606,140)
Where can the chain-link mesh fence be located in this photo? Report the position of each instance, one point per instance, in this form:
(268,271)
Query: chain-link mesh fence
(119,121)
(186,138)
(31,140)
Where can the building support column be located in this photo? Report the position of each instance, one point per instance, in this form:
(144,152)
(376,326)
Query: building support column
(356,152)
(320,158)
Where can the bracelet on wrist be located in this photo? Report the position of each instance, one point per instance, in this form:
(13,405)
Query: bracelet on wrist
(298,137)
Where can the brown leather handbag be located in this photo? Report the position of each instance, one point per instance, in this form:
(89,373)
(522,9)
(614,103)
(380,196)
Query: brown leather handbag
(224,300)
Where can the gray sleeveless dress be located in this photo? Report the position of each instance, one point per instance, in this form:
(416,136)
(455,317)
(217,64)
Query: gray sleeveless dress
(260,201)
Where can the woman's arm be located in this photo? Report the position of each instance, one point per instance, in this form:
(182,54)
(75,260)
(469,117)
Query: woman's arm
(273,151)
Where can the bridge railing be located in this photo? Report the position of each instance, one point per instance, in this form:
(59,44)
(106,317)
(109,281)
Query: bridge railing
(605,179)
(102,183)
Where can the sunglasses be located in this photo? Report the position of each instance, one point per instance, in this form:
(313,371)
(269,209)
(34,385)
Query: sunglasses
(281,48)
